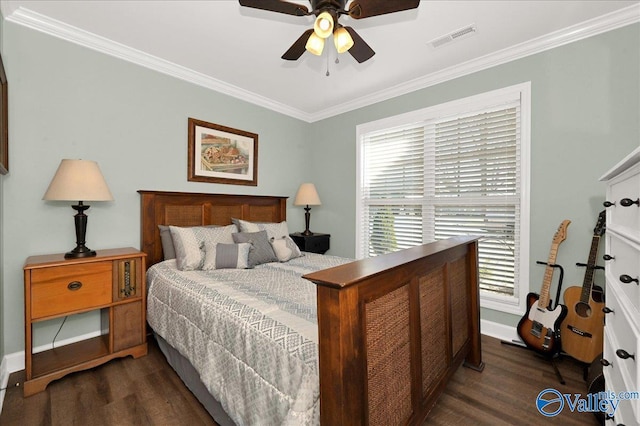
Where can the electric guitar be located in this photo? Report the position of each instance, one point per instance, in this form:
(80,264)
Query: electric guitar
(583,328)
(539,328)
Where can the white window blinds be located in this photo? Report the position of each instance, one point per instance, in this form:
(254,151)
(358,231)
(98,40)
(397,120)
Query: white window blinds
(449,173)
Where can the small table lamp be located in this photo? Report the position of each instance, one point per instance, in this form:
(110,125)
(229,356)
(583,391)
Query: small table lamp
(78,180)
(307,195)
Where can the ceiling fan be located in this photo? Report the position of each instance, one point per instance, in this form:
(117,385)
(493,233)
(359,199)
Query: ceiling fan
(327,13)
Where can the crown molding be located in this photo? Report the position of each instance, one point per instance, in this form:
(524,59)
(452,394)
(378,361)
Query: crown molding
(55,28)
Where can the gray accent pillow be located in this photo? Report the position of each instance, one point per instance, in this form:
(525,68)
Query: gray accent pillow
(226,256)
(285,248)
(168,251)
(261,250)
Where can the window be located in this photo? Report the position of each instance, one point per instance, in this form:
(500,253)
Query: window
(459,168)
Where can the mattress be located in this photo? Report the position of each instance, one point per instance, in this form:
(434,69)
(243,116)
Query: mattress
(250,334)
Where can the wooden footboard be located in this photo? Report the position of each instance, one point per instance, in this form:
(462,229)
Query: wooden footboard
(393,329)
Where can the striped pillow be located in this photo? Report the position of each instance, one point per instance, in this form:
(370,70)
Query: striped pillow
(225,256)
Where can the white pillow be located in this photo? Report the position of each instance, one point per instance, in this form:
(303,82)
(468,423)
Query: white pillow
(189,243)
(222,256)
(285,248)
(274,230)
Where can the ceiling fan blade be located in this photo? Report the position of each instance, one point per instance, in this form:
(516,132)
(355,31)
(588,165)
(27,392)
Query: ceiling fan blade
(277,6)
(365,8)
(298,48)
(360,50)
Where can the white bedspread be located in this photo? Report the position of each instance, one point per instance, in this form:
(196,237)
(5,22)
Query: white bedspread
(251,334)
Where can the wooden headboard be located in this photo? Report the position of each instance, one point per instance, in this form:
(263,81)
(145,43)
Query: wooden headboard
(197,209)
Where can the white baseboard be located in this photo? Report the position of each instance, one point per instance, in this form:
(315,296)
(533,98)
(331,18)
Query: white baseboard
(499,331)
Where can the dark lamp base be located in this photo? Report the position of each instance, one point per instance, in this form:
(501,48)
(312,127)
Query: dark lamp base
(80,252)
(306,232)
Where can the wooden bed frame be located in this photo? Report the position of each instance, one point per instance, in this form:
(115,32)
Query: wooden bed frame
(392,329)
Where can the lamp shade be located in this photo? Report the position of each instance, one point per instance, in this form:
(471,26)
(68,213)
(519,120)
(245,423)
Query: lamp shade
(78,180)
(307,195)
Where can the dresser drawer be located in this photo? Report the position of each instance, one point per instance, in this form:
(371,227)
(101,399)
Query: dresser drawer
(626,261)
(624,414)
(617,380)
(626,186)
(622,334)
(68,288)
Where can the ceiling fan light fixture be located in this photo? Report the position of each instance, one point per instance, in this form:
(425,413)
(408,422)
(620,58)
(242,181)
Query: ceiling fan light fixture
(342,39)
(323,26)
(315,44)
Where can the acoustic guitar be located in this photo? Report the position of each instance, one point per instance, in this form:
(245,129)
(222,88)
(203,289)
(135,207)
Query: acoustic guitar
(539,328)
(583,328)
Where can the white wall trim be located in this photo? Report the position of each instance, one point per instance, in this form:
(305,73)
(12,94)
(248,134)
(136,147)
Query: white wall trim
(499,331)
(38,22)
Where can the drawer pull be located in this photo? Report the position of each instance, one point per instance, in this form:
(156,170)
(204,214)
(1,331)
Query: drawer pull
(608,204)
(628,280)
(608,310)
(608,257)
(74,285)
(625,355)
(628,202)
(606,363)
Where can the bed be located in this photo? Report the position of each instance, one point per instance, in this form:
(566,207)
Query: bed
(390,332)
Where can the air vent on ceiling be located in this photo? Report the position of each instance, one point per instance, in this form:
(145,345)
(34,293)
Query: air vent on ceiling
(455,35)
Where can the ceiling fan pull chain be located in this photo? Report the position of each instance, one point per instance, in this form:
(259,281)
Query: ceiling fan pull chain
(327,74)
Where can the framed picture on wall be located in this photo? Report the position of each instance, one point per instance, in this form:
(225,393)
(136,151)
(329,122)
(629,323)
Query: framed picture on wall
(220,154)
(4,122)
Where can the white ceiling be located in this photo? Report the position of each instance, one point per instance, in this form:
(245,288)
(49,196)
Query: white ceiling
(236,50)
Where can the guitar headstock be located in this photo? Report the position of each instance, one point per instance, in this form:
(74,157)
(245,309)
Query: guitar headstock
(601,225)
(561,233)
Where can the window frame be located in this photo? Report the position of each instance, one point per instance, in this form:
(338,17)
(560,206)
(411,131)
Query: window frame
(515,304)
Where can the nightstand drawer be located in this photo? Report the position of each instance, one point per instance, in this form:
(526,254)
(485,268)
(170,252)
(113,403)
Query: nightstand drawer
(68,288)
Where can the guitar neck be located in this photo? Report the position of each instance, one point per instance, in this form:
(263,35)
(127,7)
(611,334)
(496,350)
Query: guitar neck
(548,276)
(587,284)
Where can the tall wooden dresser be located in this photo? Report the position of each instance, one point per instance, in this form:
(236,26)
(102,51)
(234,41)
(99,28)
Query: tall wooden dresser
(622,271)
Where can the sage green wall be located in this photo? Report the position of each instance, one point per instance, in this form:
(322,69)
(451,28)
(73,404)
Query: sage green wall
(584,118)
(71,102)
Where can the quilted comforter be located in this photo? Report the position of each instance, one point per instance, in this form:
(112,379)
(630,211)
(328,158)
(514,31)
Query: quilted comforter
(251,334)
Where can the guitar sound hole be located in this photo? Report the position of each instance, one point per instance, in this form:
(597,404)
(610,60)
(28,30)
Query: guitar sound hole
(583,309)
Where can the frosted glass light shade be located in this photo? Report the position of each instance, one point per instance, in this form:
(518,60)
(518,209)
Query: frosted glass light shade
(342,39)
(78,180)
(307,195)
(323,26)
(315,44)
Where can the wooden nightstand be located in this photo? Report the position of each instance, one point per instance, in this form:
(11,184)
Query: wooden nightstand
(112,282)
(314,243)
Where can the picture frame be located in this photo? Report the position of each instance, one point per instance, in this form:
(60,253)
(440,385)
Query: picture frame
(220,154)
(4,122)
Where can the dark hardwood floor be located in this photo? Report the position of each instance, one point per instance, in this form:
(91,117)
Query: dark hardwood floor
(146,391)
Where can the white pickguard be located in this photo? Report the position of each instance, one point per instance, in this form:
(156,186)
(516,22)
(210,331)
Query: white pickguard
(546,318)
